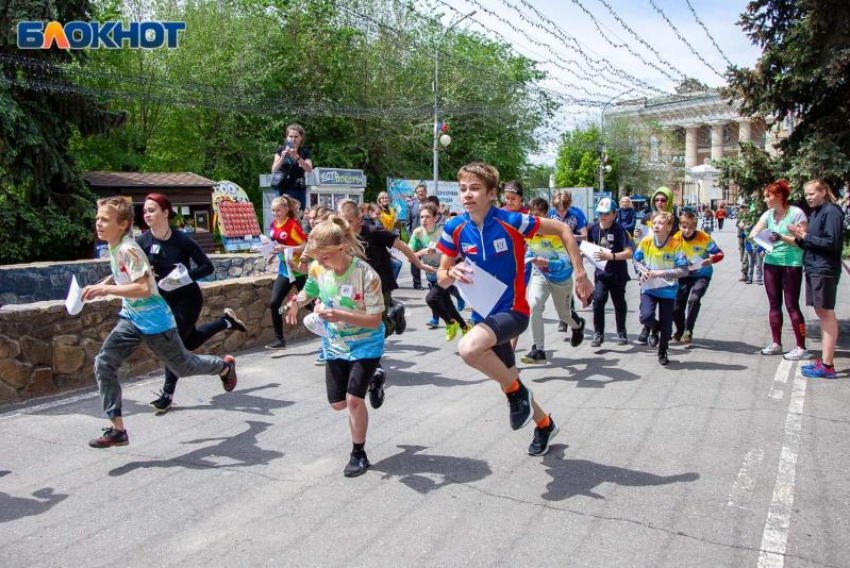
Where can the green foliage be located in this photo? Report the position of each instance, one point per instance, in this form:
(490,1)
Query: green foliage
(803,72)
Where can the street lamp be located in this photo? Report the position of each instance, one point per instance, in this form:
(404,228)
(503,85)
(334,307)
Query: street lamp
(444,139)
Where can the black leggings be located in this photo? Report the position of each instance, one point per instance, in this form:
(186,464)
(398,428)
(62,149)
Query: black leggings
(439,299)
(688,299)
(281,289)
(779,282)
(186,306)
(602,288)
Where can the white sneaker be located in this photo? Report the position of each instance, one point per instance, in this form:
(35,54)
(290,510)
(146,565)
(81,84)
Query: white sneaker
(797,354)
(772,349)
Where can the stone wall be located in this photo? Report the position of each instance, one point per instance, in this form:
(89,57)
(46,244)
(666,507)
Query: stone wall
(41,281)
(43,350)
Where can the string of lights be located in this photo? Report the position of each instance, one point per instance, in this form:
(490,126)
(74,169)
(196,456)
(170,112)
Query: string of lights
(682,38)
(705,29)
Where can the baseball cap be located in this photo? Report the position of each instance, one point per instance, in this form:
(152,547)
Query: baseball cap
(605,205)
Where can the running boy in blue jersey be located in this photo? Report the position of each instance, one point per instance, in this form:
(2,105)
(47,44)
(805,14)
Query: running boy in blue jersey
(494,240)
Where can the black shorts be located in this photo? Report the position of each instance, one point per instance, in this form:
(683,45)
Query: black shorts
(506,326)
(351,377)
(821,291)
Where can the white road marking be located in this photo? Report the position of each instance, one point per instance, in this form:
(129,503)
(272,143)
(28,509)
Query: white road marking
(775,537)
(780,378)
(742,489)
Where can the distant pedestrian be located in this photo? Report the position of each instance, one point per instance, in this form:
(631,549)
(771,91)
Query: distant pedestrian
(720,215)
(291,164)
(414,204)
(627,216)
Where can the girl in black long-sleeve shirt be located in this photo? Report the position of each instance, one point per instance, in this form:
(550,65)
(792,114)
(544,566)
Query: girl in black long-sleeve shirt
(166,248)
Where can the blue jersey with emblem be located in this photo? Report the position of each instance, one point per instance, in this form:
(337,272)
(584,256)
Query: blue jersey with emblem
(498,247)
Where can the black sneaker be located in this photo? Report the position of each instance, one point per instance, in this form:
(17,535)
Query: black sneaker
(652,340)
(276,345)
(357,465)
(577,335)
(161,404)
(642,337)
(662,358)
(520,404)
(622,338)
(676,337)
(232,321)
(376,388)
(111,437)
(563,327)
(534,357)
(542,436)
(228,381)
(598,338)
(396,314)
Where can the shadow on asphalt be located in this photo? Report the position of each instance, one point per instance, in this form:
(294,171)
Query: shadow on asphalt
(92,407)
(398,377)
(428,472)
(725,346)
(676,365)
(13,508)
(242,401)
(606,370)
(240,450)
(580,477)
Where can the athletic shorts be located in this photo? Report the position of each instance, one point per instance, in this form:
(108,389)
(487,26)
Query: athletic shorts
(349,377)
(821,291)
(506,326)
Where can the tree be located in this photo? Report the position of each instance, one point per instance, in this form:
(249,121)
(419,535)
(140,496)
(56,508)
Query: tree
(803,73)
(43,200)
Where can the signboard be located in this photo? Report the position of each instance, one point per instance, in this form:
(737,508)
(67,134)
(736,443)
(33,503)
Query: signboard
(235,217)
(401,189)
(337,176)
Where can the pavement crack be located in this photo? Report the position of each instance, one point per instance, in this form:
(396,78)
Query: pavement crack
(646,525)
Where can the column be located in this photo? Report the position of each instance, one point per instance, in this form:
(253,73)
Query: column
(717,141)
(771,136)
(745,130)
(691,133)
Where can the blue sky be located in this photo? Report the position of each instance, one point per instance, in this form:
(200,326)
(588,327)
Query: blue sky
(719,16)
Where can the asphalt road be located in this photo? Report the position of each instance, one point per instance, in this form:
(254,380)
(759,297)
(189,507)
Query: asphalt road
(727,458)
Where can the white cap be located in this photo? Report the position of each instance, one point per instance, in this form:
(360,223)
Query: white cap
(605,205)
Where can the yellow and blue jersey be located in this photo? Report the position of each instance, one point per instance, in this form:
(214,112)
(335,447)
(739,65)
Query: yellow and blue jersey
(669,256)
(700,247)
(551,248)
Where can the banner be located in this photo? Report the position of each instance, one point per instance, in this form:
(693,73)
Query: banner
(401,190)
(235,217)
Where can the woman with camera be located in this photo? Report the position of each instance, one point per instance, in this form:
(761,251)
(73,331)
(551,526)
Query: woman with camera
(290,166)
(783,268)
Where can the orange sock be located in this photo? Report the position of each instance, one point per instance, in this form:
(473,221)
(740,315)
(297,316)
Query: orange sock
(544,423)
(513,388)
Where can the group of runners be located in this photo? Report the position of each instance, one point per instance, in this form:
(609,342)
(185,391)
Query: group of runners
(343,270)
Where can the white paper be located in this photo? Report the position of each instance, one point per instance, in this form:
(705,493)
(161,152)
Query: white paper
(587,249)
(484,292)
(762,239)
(266,248)
(287,256)
(652,283)
(316,325)
(177,278)
(74,301)
(695,263)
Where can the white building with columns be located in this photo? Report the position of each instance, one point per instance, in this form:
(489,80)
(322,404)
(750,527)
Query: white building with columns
(690,129)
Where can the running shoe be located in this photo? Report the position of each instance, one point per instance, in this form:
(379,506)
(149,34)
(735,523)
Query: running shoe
(688,337)
(376,388)
(228,381)
(276,345)
(320,358)
(520,405)
(534,357)
(598,338)
(772,349)
(162,403)
(110,437)
(814,363)
(622,338)
(563,327)
(542,436)
(233,322)
(432,323)
(642,338)
(676,337)
(652,340)
(818,371)
(396,314)
(577,335)
(461,304)
(452,329)
(749,281)
(662,358)
(357,465)
(797,354)
(466,329)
